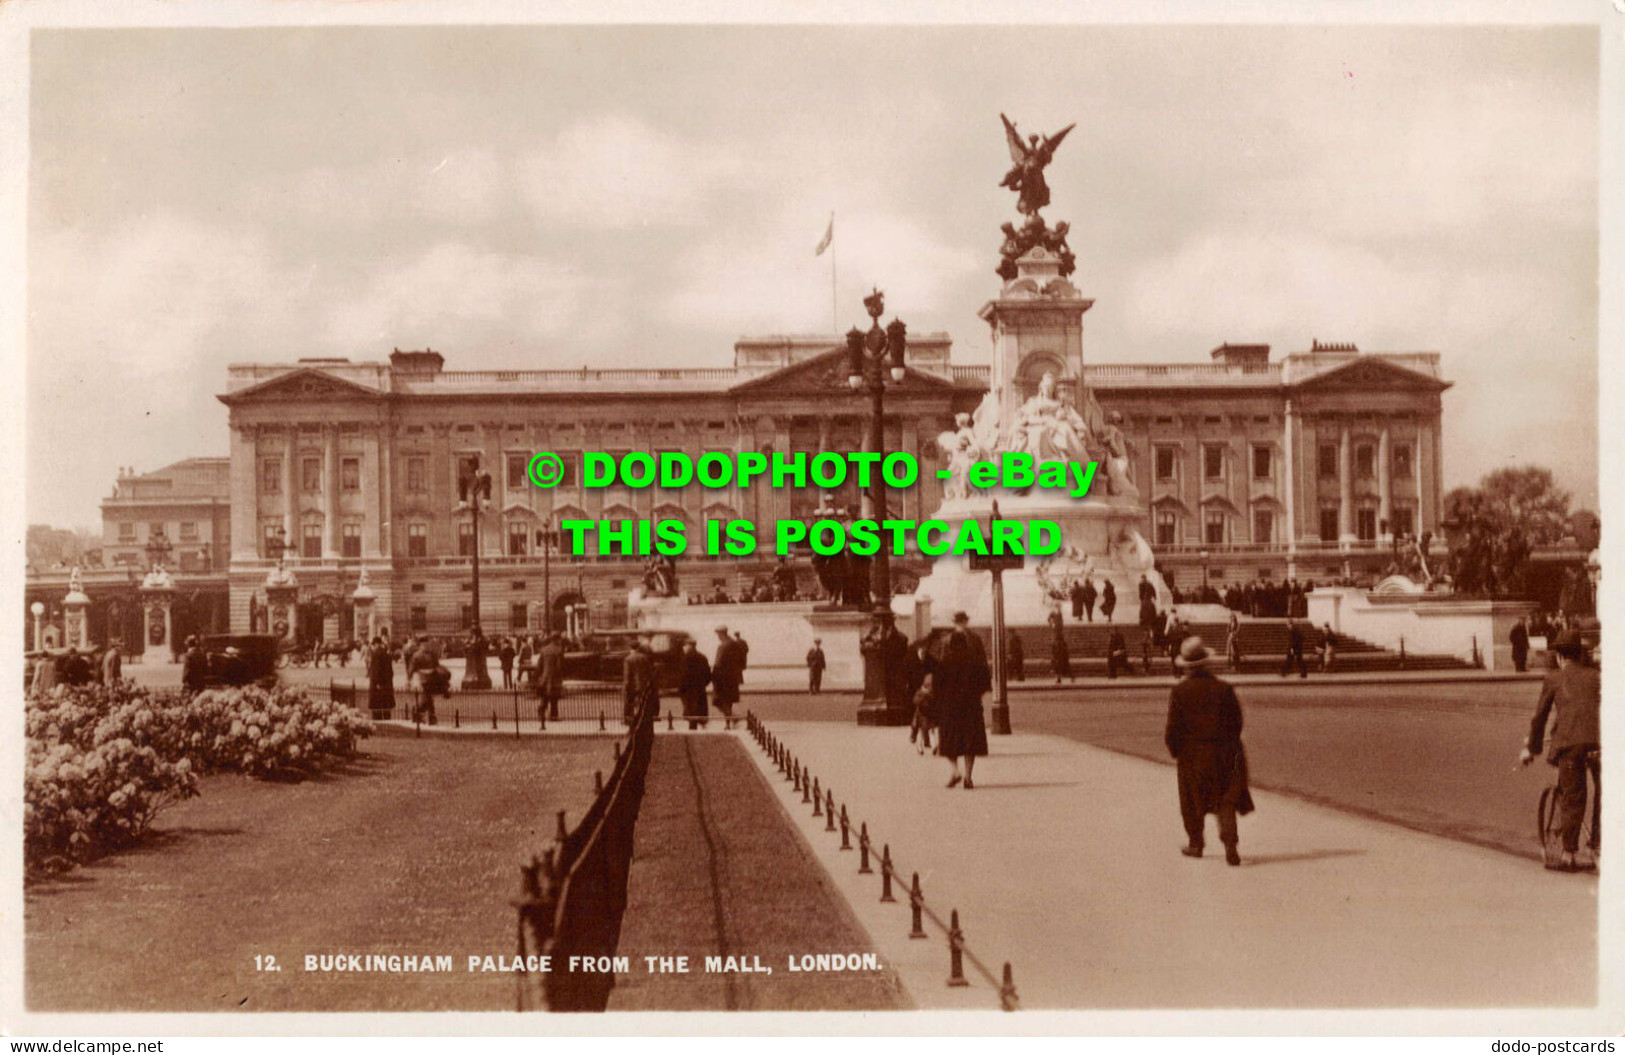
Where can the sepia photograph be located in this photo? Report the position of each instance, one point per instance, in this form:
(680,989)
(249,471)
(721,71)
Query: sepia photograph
(1041,514)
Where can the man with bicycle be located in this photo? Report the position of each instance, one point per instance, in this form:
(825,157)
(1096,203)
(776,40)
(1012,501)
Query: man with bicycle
(1574,690)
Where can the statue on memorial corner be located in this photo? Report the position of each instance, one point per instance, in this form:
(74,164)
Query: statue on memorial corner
(1026,177)
(971,441)
(1047,428)
(660,576)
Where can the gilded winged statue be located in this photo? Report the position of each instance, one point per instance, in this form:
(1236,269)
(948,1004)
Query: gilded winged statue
(1026,178)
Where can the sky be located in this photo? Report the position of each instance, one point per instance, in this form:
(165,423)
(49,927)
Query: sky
(541,196)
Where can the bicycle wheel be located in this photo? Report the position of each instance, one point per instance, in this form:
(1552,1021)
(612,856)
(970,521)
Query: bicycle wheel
(1551,838)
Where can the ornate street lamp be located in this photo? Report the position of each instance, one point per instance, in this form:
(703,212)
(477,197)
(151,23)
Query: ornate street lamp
(474,491)
(872,359)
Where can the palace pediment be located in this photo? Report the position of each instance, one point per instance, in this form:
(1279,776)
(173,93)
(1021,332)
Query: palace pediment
(1368,373)
(825,375)
(300,386)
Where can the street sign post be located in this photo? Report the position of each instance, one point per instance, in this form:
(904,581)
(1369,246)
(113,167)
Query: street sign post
(998,564)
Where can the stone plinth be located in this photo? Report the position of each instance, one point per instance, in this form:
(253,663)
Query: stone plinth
(75,605)
(779,634)
(1426,623)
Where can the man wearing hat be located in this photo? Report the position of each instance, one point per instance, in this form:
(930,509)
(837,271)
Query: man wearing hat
(1574,691)
(1204,736)
(194,667)
(815,667)
(727,671)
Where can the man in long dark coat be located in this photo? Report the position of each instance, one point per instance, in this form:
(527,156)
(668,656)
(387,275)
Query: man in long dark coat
(1519,639)
(194,667)
(1204,736)
(1089,595)
(380,679)
(1076,594)
(694,679)
(1060,656)
(1108,600)
(727,671)
(1015,654)
(638,680)
(550,674)
(815,667)
(959,676)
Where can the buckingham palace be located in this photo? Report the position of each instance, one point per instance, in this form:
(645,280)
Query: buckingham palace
(1308,465)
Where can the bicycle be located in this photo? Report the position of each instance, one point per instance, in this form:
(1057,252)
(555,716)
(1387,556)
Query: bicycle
(1549,831)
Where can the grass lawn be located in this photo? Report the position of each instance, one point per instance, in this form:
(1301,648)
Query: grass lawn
(719,870)
(413,848)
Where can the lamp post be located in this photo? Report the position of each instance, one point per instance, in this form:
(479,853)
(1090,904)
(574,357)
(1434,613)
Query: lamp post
(872,359)
(474,490)
(38,611)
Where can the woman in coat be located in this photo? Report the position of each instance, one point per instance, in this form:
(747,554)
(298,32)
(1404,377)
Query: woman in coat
(959,677)
(692,683)
(1204,736)
(380,679)
(1060,657)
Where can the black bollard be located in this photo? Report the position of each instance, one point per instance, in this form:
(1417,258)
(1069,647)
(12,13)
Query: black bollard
(456,719)
(617,752)
(956,953)
(597,783)
(541,717)
(829,811)
(669,725)
(493,718)
(846,830)
(863,850)
(1007,992)
(916,903)
(601,726)
(885,873)
(817,800)
(563,832)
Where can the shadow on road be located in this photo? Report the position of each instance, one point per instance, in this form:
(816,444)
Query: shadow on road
(1306,855)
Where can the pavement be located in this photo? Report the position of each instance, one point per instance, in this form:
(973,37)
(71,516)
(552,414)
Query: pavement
(1064,862)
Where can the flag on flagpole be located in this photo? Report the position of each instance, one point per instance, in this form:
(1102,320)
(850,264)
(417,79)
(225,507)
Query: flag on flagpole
(829,236)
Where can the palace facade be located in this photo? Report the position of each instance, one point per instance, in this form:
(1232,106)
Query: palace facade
(1306,466)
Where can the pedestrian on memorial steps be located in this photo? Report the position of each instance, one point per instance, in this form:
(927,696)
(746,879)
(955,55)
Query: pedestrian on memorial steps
(1574,691)
(112,666)
(1204,736)
(1147,591)
(1294,649)
(1089,595)
(380,679)
(638,680)
(1108,600)
(959,677)
(505,654)
(1116,654)
(549,677)
(1519,640)
(1232,642)
(1148,614)
(815,667)
(1328,649)
(1174,635)
(1060,657)
(1076,594)
(1016,655)
(194,667)
(692,681)
(727,671)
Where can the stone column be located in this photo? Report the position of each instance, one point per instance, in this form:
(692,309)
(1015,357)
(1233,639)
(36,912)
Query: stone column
(330,484)
(290,497)
(384,482)
(1289,488)
(1385,486)
(1345,487)
(371,505)
(245,463)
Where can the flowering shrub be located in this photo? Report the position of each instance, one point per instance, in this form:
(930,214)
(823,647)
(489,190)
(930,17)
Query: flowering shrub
(103,761)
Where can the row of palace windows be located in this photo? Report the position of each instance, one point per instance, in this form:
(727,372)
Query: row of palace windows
(1263,461)
(310,475)
(156,529)
(309,542)
(1216,525)
(521,540)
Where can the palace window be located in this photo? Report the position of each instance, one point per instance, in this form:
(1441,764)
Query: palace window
(518,616)
(465,468)
(417,475)
(310,474)
(572,460)
(1261,462)
(1213,524)
(518,538)
(350,540)
(1328,459)
(1165,463)
(1404,521)
(269,539)
(188,531)
(1213,462)
(1365,461)
(1365,525)
(1167,527)
(126,531)
(419,618)
(312,541)
(1328,524)
(350,474)
(271,476)
(155,529)
(465,540)
(1402,459)
(419,587)
(417,540)
(1263,526)
(517,463)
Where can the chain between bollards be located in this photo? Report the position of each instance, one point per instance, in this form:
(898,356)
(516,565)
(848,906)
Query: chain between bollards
(1007,992)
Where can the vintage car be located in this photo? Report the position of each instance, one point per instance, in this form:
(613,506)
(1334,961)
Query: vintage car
(602,656)
(240,659)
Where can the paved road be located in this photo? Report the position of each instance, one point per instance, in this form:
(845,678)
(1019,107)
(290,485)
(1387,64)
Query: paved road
(1438,758)
(1064,862)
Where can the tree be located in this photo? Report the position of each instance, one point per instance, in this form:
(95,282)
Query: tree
(1492,528)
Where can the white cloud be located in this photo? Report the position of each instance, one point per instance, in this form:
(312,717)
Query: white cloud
(614,171)
(458,187)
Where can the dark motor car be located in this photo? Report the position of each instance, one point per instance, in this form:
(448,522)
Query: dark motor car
(602,656)
(254,658)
